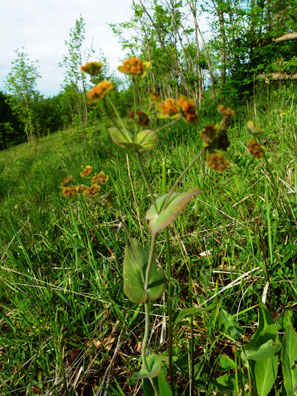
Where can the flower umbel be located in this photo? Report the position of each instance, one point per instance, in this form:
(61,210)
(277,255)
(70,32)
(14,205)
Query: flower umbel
(100,178)
(99,91)
(256,149)
(217,162)
(92,68)
(169,109)
(69,191)
(187,108)
(87,171)
(66,181)
(93,190)
(134,67)
(225,111)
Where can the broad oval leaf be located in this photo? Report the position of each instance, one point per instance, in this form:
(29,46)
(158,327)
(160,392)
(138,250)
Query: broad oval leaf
(147,139)
(289,359)
(123,138)
(154,367)
(135,264)
(265,372)
(176,204)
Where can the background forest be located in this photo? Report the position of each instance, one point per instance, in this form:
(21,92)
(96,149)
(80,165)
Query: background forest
(225,323)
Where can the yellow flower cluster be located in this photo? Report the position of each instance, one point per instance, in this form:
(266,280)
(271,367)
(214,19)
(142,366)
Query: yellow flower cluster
(172,108)
(134,67)
(217,162)
(256,149)
(99,91)
(92,68)
(97,180)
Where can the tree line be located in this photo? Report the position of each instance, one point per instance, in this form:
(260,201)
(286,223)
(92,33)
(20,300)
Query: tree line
(250,41)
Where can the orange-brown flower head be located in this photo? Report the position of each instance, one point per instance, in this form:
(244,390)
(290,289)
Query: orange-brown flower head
(169,109)
(93,190)
(225,111)
(66,181)
(80,188)
(100,178)
(187,107)
(87,171)
(69,191)
(92,68)
(256,149)
(217,162)
(134,67)
(99,91)
(140,117)
(154,98)
(208,134)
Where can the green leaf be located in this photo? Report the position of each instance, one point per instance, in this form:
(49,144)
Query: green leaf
(147,388)
(181,314)
(265,372)
(176,204)
(146,139)
(226,363)
(253,128)
(289,360)
(260,352)
(163,387)
(231,328)
(135,264)
(154,367)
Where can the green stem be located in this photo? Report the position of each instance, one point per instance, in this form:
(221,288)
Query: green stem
(180,178)
(137,155)
(169,302)
(117,115)
(168,125)
(147,311)
(191,328)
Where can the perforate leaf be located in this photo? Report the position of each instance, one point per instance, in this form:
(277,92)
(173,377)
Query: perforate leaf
(176,204)
(135,264)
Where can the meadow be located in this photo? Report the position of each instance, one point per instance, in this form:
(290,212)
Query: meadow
(66,326)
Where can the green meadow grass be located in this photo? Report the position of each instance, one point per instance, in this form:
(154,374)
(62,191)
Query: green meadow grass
(66,326)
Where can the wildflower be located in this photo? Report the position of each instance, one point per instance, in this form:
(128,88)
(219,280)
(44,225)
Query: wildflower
(99,91)
(256,149)
(87,171)
(208,134)
(100,178)
(222,140)
(66,181)
(80,188)
(169,109)
(217,162)
(93,190)
(187,108)
(92,68)
(140,117)
(69,191)
(154,98)
(253,128)
(134,67)
(226,111)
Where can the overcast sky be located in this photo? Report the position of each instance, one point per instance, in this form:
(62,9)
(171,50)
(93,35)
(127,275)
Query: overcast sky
(42,26)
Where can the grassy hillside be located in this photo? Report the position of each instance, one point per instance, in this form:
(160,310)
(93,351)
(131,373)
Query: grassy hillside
(66,326)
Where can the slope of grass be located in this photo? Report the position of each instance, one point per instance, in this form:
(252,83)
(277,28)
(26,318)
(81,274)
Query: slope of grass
(65,325)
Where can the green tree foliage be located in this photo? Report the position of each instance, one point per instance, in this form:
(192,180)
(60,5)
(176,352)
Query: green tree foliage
(21,84)
(11,129)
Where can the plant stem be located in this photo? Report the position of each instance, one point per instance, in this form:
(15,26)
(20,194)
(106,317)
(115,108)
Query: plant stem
(169,302)
(147,310)
(191,328)
(137,155)
(168,125)
(180,178)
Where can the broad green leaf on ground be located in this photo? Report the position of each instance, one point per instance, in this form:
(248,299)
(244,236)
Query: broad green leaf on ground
(135,264)
(260,352)
(265,372)
(154,367)
(181,314)
(289,361)
(176,204)
(231,328)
